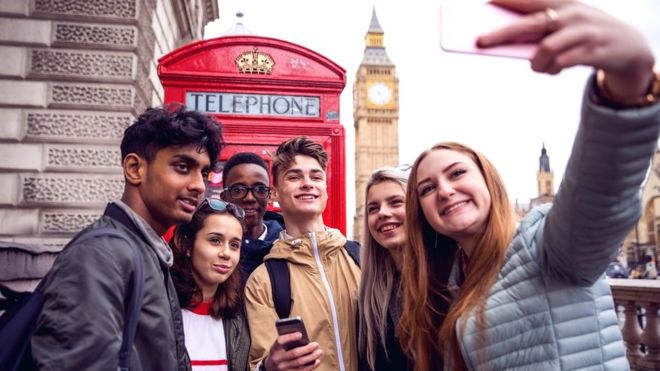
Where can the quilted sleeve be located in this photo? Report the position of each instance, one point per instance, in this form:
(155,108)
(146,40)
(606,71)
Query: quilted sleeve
(598,201)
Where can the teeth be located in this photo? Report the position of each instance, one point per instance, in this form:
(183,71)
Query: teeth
(306,197)
(388,227)
(454,207)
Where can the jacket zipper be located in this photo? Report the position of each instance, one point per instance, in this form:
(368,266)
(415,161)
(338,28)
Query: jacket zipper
(333,309)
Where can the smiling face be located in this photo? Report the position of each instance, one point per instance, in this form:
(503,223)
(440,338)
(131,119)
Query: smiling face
(386,214)
(216,252)
(249,175)
(453,195)
(171,185)
(301,190)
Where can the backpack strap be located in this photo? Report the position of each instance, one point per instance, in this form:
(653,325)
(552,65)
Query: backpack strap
(280,283)
(133,306)
(353,248)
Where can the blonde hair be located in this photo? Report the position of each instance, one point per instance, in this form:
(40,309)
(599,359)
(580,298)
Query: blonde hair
(378,274)
(428,325)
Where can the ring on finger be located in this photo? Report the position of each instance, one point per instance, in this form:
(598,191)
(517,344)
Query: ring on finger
(551,20)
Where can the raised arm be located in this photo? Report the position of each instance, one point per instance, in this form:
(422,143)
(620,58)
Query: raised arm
(598,201)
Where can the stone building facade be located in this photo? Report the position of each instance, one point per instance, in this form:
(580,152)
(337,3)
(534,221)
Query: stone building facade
(73,75)
(642,245)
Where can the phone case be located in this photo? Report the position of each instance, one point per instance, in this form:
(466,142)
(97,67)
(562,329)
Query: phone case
(462,23)
(289,325)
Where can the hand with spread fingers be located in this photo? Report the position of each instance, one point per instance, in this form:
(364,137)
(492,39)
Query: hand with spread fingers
(571,33)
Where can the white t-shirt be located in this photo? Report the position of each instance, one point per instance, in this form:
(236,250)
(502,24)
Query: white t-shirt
(205,339)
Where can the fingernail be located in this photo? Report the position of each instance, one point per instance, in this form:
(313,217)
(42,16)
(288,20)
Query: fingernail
(482,41)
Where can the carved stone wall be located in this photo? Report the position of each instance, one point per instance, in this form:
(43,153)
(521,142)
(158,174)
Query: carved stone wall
(76,74)
(66,221)
(85,8)
(111,37)
(79,65)
(60,125)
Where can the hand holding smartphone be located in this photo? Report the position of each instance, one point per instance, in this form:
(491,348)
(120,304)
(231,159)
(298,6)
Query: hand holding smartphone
(462,23)
(290,325)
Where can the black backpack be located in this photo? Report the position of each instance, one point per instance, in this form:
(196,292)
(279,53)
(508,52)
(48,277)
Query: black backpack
(280,279)
(18,324)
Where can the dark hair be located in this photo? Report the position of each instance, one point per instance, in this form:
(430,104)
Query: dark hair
(227,300)
(289,149)
(241,158)
(172,125)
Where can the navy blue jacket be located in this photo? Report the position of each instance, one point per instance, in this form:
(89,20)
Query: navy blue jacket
(254,251)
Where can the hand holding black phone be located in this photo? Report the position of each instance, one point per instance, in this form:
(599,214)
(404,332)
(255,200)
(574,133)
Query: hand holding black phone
(291,325)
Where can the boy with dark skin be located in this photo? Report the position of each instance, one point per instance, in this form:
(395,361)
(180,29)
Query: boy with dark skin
(166,156)
(247,184)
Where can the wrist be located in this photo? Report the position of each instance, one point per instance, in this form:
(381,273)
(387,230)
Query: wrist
(624,94)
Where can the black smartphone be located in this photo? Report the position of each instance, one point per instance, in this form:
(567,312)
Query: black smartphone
(289,325)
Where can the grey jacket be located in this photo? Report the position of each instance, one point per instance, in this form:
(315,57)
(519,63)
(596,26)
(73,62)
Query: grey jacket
(551,307)
(80,327)
(237,340)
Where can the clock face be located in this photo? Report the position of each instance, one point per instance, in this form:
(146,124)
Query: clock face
(379,94)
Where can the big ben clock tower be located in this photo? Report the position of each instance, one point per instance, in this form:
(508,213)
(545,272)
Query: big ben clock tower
(376,115)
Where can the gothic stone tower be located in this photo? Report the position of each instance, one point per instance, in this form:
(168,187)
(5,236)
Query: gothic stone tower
(545,176)
(544,181)
(376,116)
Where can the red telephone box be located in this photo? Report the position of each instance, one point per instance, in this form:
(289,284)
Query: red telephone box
(264,91)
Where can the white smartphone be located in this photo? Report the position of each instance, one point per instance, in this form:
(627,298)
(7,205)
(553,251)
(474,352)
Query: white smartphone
(290,325)
(461,24)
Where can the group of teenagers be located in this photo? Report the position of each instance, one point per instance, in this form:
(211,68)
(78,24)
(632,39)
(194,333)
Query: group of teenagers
(446,278)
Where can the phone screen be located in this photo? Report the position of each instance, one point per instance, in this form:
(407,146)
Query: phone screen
(290,325)
(462,23)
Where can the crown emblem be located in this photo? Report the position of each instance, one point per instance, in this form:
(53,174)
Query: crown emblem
(255,62)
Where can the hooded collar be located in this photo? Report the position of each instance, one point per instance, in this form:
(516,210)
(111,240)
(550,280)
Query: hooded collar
(300,250)
(156,242)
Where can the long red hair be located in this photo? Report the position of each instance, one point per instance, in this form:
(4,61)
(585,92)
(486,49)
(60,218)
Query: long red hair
(428,325)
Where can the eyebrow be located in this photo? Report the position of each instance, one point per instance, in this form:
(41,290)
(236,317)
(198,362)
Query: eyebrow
(295,171)
(245,185)
(447,168)
(391,198)
(317,171)
(218,234)
(190,161)
(450,166)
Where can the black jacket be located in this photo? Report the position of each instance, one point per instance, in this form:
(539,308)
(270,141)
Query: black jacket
(395,358)
(80,327)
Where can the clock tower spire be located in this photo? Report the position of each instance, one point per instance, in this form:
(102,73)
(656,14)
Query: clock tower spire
(375,115)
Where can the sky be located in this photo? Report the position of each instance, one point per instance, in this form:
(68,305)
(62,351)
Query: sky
(498,106)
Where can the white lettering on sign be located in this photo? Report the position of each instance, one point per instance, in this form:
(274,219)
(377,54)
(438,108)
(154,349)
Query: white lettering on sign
(254,104)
